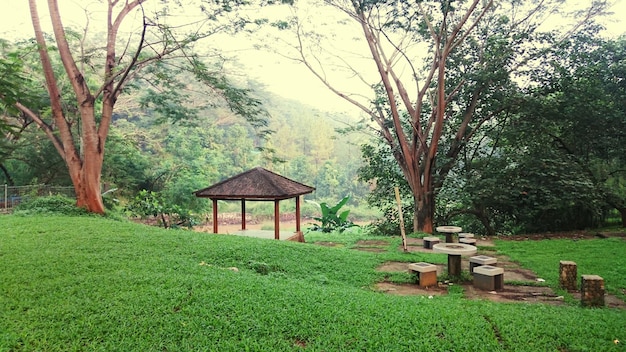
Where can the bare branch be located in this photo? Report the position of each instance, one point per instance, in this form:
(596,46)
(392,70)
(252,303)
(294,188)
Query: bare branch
(48,130)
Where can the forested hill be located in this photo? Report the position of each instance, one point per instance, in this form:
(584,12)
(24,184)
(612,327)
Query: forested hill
(178,158)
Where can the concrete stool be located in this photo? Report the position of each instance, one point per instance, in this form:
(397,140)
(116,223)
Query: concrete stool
(567,275)
(426,273)
(480,260)
(467,240)
(488,278)
(466,235)
(430,241)
(592,291)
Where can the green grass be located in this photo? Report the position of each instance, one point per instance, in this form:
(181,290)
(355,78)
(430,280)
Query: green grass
(90,284)
(603,257)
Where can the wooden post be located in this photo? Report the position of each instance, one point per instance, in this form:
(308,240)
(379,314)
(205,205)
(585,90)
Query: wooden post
(214,215)
(404,244)
(298,214)
(276,220)
(243,214)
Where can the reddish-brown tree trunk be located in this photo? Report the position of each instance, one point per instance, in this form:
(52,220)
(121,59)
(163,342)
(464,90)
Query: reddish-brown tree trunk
(424,208)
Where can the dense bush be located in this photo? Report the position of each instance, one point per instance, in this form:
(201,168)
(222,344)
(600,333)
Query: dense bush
(152,204)
(56,204)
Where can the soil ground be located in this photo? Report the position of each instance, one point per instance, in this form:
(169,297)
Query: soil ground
(520,292)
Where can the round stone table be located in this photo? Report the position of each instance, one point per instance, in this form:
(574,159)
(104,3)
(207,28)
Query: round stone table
(448,231)
(454,252)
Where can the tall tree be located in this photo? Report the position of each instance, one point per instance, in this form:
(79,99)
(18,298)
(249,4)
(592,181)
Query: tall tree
(471,50)
(581,108)
(79,130)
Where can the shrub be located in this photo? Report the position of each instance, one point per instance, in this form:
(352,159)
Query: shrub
(331,220)
(56,204)
(151,204)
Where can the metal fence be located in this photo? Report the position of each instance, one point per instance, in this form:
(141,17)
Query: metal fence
(11,196)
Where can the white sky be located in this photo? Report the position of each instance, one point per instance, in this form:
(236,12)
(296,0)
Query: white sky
(282,77)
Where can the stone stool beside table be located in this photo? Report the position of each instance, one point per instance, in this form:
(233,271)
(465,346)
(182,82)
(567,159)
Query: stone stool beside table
(487,276)
(426,273)
(467,238)
(429,242)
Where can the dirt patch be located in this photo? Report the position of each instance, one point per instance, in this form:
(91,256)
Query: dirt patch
(370,249)
(563,235)
(610,301)
(390,267)
(374,246)
(515,293)
(372,243)
(509,293)
(411,289)
(328,244)
(519,274)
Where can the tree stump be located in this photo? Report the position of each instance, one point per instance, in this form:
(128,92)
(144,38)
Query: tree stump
(567,275)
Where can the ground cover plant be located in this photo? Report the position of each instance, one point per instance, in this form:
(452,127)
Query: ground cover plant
(86,283)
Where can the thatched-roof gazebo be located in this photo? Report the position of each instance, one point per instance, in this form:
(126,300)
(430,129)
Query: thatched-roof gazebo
(256,184)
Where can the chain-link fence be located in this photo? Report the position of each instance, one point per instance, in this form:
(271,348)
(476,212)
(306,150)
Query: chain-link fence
(11,196)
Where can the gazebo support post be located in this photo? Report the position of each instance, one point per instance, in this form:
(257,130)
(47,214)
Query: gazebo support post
(243,213)
(214,215)
(276,220)
(297,213)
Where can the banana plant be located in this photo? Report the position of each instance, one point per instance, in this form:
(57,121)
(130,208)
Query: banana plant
(331,220)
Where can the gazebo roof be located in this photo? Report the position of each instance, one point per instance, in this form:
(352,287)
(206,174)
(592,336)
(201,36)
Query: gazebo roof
(257,183)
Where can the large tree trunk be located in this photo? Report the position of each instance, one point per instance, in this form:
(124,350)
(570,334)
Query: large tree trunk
(424,213)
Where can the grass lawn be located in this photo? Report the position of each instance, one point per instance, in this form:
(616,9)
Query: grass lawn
(89,284)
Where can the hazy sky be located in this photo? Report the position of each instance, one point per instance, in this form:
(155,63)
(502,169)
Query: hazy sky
(282,77)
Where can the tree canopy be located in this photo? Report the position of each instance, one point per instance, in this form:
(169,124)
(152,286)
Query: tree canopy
(445,71)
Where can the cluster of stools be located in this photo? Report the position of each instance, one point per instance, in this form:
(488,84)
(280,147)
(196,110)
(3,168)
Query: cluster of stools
(487,276)
(467,238)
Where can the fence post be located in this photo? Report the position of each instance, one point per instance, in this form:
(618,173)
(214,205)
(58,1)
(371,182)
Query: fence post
(6,192)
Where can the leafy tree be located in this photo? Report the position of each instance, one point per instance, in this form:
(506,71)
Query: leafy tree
(581,109)
(559,154)
(15,84)
(461,57)
(125,166)
(155,55)
(380,167)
